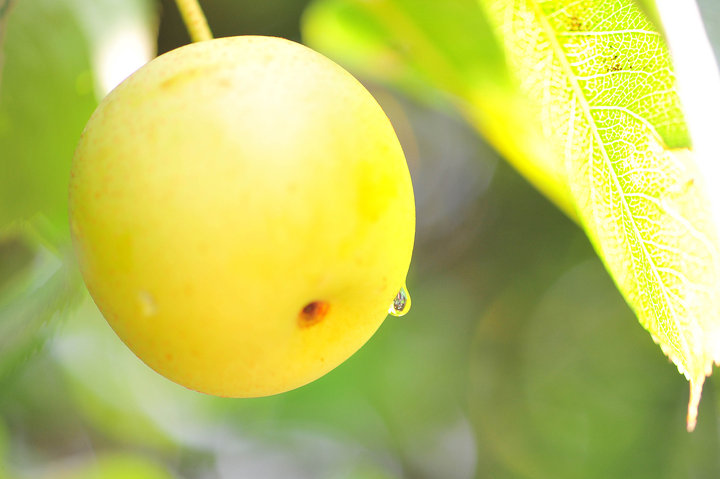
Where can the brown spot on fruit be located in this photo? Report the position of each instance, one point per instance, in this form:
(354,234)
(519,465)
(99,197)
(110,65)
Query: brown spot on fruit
(313,313)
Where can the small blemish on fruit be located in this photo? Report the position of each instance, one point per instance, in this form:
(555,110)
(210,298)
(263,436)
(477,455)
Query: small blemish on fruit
(148,307)
(313,313)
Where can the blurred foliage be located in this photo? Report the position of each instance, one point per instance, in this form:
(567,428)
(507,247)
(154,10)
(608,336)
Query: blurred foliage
(32,298)
(518,360)
(571,409)
(41,119)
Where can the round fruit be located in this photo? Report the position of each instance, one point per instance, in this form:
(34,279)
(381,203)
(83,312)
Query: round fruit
(243,214)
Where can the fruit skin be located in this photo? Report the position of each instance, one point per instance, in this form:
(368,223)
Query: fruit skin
(221,189)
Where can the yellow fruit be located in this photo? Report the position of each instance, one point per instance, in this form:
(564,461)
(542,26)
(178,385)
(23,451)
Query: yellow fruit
(243,215)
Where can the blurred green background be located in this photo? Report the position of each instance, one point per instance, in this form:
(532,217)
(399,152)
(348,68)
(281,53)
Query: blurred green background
(519,358)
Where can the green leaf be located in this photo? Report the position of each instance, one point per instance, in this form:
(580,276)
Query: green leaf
(599,78)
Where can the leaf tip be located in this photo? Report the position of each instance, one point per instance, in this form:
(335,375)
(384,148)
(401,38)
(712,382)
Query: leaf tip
(695,394)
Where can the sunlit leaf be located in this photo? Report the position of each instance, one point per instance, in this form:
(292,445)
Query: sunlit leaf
(598,76)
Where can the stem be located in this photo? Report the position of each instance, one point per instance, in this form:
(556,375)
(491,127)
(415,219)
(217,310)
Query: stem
(195,20)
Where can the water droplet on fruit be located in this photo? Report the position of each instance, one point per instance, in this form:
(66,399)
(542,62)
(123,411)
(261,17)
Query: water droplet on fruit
(401,304)
(148,307)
